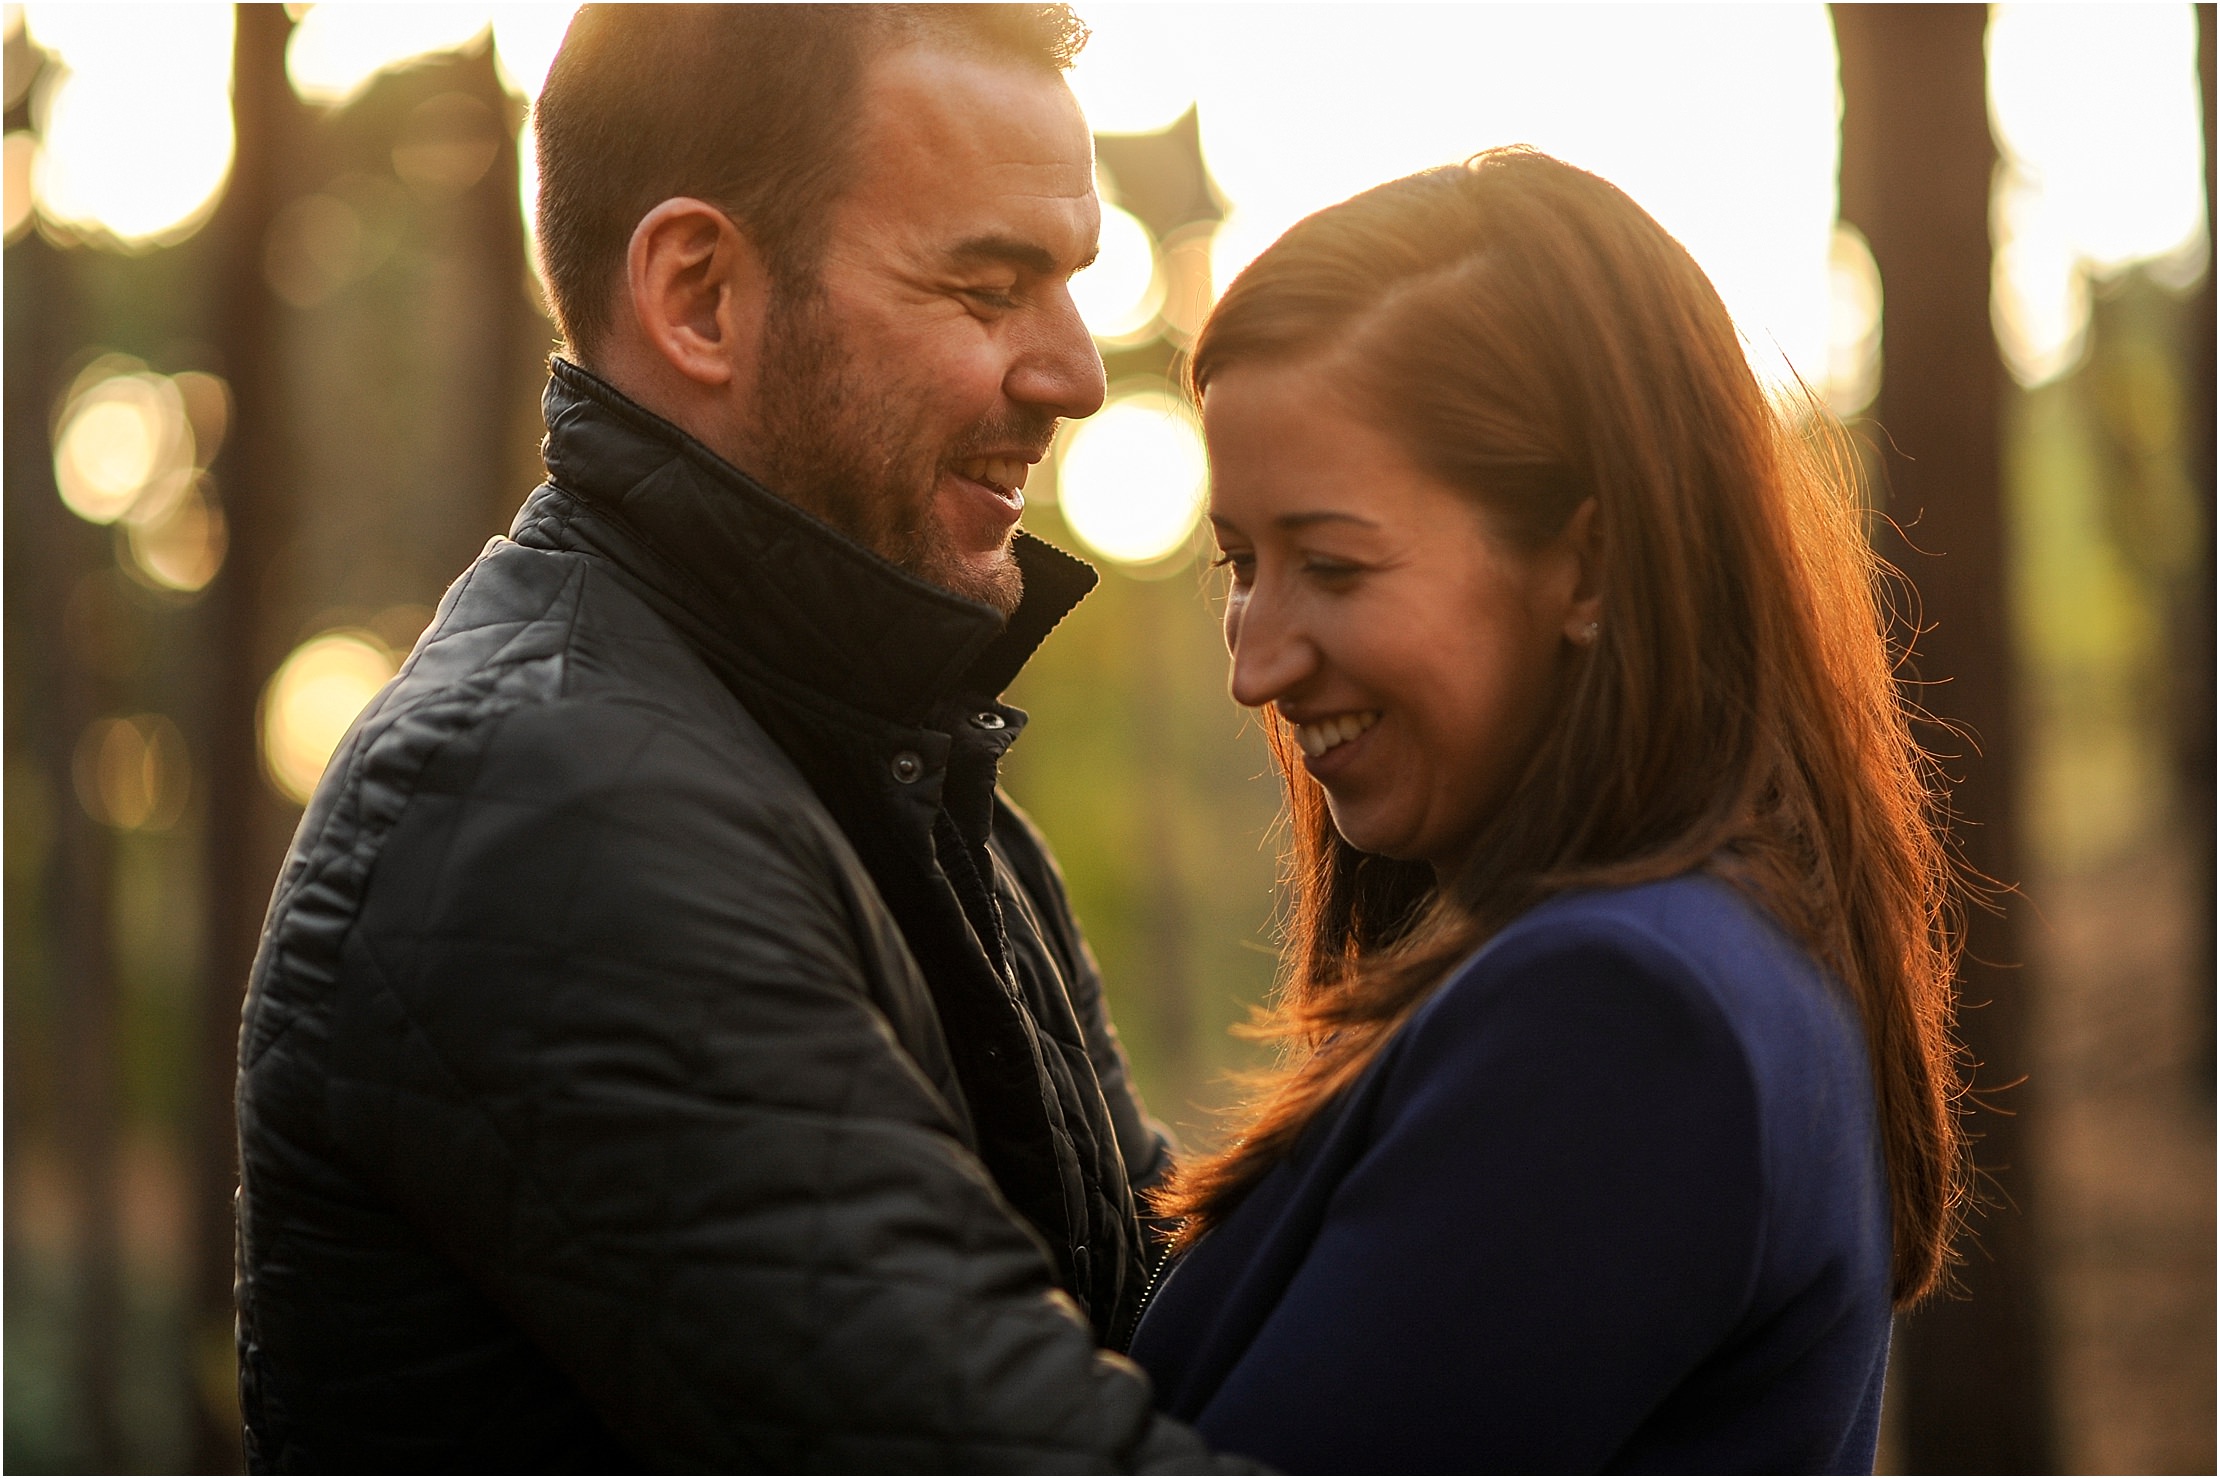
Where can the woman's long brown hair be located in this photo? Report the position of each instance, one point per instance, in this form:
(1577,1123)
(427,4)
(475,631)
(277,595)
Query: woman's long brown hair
(1530,335)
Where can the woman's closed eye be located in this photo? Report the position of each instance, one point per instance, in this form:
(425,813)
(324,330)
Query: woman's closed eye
(1331,571)
(1241,563)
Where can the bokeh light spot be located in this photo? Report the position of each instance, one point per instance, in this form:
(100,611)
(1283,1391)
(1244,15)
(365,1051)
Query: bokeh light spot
(132,774)
(119,439)
(1132,479)
(2038,285)
(312,249)
(1853,323)
(181,546)
(1120,294)
(135,128)
(207,402)
(1188,291)
(446,146)
(308,704)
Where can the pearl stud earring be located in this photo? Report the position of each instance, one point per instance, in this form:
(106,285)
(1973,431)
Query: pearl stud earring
(1586,635)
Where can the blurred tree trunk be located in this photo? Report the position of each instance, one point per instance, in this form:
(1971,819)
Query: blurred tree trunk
(2194,655)
(1917,163)
(254,481)
(89,1087)
(80,894)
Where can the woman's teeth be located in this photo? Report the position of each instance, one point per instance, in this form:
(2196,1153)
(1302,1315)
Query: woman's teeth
(1321,735)
(1004,473)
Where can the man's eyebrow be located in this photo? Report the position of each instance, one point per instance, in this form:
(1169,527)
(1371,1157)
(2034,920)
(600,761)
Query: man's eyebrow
(1014,251)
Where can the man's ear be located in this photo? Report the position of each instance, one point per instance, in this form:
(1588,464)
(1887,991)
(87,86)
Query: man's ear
(698,290)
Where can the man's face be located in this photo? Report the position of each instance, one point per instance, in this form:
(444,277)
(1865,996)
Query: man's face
(905,393)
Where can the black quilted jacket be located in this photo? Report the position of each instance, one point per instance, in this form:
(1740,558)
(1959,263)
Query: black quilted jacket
(667,1048)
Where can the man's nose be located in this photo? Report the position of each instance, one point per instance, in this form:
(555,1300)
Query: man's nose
(1058,368)
(1271,656)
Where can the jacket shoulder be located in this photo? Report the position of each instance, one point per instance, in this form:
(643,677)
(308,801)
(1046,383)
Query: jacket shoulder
(548,716)
(1693,967)
(1705,939)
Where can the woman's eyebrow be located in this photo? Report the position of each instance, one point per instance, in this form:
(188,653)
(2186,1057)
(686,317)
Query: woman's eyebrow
(1323,516)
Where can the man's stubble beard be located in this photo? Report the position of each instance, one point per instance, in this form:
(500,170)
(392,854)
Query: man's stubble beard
(847,452)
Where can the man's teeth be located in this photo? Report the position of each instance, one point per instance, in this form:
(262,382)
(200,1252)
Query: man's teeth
(1321,735)
(999,472)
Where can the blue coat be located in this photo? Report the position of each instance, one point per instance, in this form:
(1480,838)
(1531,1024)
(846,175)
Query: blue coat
(1613,1199)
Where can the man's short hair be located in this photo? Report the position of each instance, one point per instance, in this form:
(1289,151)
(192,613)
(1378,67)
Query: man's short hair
(750,107)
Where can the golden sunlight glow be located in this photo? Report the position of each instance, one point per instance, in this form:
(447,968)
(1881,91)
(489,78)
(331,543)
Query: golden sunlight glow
(1134,76)
(122,439)
(136,129)
(310,701)
(528,201)
(1853,372)
(1721,121)
(1120,295)
(2096,108)
(22,154)
(132,774)
(525,40)
(338,47)
(1132,479)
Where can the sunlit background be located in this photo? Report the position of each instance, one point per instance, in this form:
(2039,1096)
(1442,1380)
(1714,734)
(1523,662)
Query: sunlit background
(1722,121)
(397,257)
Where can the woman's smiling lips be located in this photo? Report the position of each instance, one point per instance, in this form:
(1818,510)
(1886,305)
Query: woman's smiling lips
(1331,742)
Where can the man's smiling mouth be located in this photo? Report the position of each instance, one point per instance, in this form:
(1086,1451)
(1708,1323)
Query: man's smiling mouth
(1005,475)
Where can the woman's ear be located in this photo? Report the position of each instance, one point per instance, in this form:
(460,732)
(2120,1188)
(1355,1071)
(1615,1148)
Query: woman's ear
(1583,544)
(698,290)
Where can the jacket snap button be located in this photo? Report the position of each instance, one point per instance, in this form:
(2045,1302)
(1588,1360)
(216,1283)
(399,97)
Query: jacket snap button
(907,767)
(988,719)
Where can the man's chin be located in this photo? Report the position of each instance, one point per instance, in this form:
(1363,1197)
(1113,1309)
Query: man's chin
(991,579)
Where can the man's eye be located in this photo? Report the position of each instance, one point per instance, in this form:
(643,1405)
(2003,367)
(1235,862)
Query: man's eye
(1002,298)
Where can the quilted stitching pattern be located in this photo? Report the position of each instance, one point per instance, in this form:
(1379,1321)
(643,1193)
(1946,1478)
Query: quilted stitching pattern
(594,1115)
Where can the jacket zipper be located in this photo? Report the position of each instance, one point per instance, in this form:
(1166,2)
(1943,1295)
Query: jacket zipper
(1148,1292)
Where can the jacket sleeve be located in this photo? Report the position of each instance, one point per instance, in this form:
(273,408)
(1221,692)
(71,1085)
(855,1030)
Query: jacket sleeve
(1144,1142)
(1554,1218)
(621,1065)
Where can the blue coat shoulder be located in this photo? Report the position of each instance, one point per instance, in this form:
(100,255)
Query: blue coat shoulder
(1612,1199)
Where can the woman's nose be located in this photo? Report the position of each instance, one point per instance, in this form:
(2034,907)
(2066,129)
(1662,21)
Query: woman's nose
(1271,656)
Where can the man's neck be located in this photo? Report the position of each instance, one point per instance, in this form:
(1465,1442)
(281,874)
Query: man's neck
(708,414)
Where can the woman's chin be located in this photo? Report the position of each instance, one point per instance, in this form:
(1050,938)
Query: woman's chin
(1366,831)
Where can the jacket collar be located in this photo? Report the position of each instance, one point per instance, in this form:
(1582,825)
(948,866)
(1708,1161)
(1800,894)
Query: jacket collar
(773,581)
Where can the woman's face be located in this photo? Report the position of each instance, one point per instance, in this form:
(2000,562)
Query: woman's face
(1413,650)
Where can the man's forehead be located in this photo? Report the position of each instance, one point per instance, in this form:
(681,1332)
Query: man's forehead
(1000,124)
